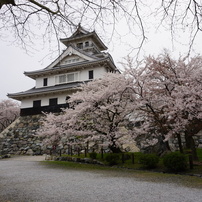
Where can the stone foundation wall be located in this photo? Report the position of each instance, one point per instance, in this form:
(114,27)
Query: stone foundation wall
(20,137)
(173,143)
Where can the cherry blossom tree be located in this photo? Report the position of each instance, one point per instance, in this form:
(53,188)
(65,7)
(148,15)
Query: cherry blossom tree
(52,130)
(156,101)
(9,111)
(99,112)
(169,97)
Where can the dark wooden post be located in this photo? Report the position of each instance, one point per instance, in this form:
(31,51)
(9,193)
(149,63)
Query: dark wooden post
(87,147)
(190,156)
(85,152)
(191,163)
(122,157)
(78,150)
(133,158)
(102,153)
(71,153)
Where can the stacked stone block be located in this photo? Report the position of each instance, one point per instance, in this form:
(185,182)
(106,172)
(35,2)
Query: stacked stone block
(20,137)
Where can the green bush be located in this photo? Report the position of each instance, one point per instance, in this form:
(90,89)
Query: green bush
(127,156)
(199,153)
(175,162)
(112,159)
(93,155)
(149,160)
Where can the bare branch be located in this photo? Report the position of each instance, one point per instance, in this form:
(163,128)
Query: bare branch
(44,7)
(51,17)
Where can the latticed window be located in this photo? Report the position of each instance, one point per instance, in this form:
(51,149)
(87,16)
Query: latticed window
(80,45)
(70,77)
(67,78)
(62,78)
(86,43)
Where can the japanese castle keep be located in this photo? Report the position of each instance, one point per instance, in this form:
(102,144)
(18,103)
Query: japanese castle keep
(83,60)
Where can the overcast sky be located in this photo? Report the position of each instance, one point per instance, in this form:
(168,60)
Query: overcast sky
(14,60)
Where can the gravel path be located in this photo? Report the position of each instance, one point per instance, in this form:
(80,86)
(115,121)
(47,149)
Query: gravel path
(26,180)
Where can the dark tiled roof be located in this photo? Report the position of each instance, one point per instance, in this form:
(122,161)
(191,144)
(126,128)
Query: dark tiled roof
(77,49)
(45,90)
(70,66)
(93,35)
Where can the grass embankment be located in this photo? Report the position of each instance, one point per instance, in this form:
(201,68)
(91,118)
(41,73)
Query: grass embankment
(136,171)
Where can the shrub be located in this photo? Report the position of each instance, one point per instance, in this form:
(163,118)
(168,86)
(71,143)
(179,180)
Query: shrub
(175,162)
(149,160)
(112,158)
(93,155)
(199,153)
(127,156)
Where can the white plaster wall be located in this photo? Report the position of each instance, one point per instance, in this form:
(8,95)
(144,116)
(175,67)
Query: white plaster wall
(62,98)
(28,103)
(83,76)
(39,81)
(98,73)
(51,81)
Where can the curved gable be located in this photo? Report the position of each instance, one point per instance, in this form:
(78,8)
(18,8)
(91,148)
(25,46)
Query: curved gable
(67,57)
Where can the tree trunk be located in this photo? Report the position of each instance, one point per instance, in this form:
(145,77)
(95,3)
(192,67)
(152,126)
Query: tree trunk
(167,146)
(164,145)
(113,146)
(115,149)
(180,143)
(190,144)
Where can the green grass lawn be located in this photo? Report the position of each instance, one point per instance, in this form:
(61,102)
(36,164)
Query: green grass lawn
(199,153)
(142,175)
(128,162)
(128,165)
(134,170)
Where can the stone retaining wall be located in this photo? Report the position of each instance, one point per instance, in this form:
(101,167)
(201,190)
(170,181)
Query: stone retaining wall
(20,137)
(197,139)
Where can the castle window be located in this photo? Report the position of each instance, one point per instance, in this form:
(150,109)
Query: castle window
(67,78)
(45,81)
(90,74)
(62,78)
(86,43)
(36,103)
(67,103)
(67,98)
(80,45)
(53,101)
(70,77)
(72,60)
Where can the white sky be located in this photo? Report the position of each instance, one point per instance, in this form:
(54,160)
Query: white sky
(14,60)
